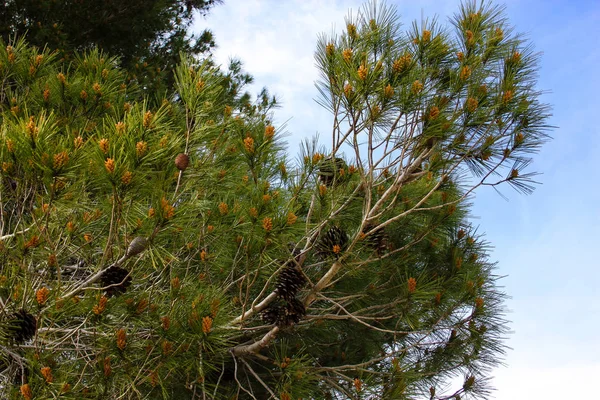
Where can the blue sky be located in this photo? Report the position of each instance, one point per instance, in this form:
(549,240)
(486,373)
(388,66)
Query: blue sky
(545,243)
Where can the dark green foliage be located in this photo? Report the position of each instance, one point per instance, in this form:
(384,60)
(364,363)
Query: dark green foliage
(146,35)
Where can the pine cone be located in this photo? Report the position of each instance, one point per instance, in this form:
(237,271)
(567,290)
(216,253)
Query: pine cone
(377,240)
(332,170)
(294,311)
(289,281)
(273,314)
(182,161)
(23,326)
(137,246)
(284,313)
(115,276)
(333,243)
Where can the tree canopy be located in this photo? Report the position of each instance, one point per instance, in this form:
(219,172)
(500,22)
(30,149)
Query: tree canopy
(146,35)
(173,249)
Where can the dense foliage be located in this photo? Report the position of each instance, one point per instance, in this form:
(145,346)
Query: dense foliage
(173,251)
(146,35)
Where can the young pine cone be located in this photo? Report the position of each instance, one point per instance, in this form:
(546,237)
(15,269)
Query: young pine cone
(182,161)
(137,246)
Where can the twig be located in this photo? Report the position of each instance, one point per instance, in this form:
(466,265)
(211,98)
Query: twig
(258,378)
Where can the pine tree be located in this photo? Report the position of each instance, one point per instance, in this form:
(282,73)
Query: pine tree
(173,251)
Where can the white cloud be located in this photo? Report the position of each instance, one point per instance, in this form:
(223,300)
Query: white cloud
(546,382)
(276,42)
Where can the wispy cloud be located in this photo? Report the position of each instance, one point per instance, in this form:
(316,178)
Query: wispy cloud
(276,42)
